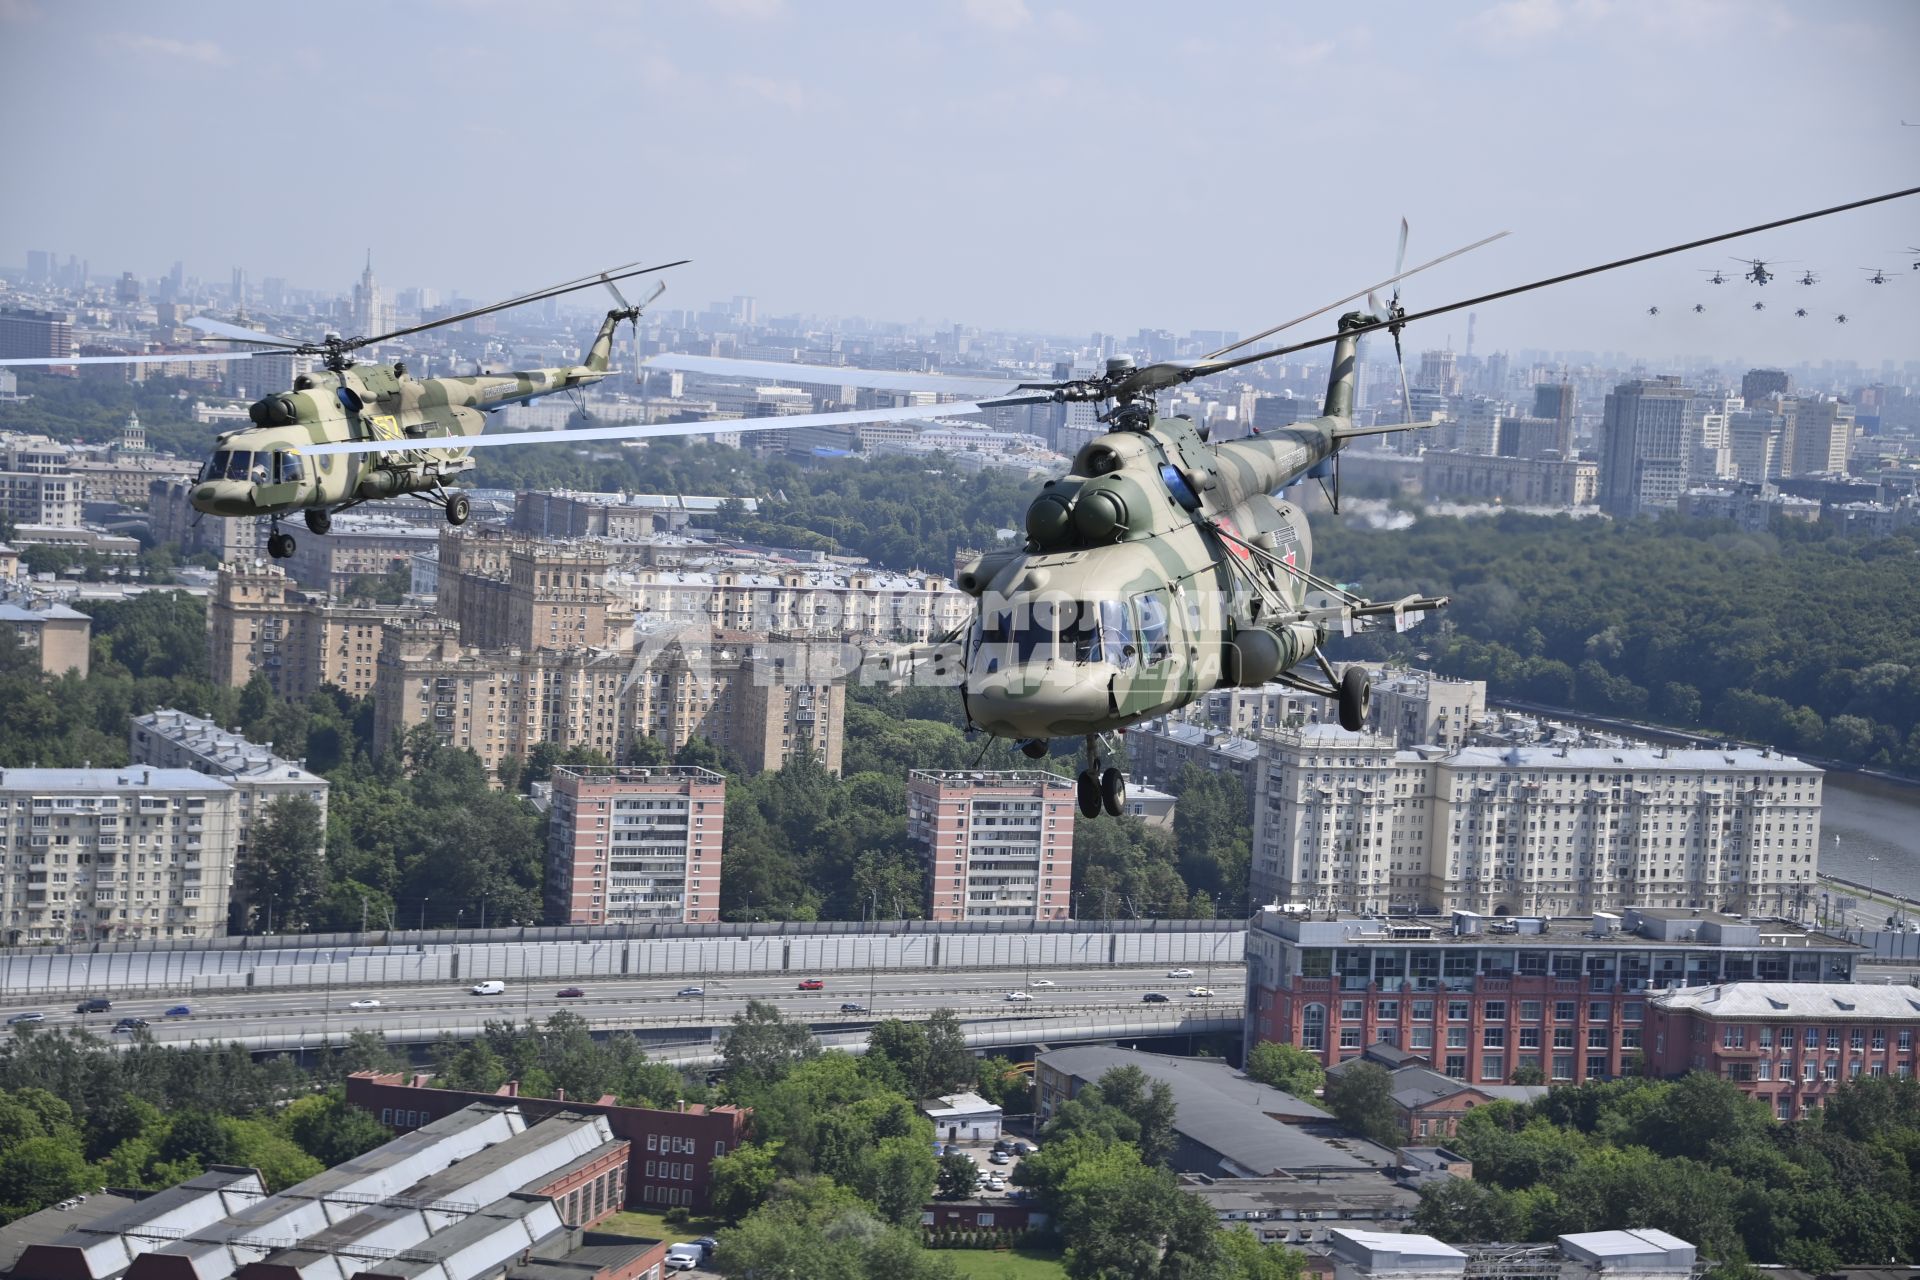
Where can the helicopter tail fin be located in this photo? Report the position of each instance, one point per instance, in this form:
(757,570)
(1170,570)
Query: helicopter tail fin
(602,349)
(1339,402)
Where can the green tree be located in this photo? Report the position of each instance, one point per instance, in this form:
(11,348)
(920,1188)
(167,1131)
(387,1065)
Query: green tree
(1243,1257)
(1148,1103)
(39,1172)
(1361,1095)
(763,1046)
(285,868)
(331,1130)
(957,1177)
(741,1179)
(1528,1074)
(1286,1067)
(950,1063)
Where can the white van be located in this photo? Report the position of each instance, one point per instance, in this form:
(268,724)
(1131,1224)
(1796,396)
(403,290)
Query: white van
(684,1257)
(489,988)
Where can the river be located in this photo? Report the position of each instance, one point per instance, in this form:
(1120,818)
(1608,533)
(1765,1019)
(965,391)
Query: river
(1871,819)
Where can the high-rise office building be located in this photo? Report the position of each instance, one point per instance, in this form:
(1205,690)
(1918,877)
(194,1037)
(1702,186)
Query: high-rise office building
(1645,453)
(26,334)
(630,845)
(997,845)
(1556,401)
(1760,384)
(370,314)
(1822,436)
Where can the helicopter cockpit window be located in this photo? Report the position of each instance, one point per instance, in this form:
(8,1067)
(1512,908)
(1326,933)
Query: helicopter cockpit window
(238,462)
(288,466)
(215,467)
(1152,607)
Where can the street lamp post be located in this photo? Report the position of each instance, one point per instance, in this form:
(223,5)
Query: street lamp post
(423,914)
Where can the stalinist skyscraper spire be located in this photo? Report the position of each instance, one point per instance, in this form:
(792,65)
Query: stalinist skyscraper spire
(370,314)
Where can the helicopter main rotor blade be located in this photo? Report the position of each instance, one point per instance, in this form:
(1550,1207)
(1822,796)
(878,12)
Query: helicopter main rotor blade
(225,332)
(540,295)
(1359,293)
(178,357)
(833,375)
(1430,312)
(644,431)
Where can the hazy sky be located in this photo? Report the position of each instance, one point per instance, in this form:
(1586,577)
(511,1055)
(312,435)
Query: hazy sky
(1007,163)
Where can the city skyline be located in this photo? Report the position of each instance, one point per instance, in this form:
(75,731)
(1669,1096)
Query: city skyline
(1077,186)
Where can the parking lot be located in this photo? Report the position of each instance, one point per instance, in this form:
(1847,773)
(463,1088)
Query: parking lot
(982,1153)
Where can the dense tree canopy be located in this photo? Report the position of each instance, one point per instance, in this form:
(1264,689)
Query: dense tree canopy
(1797,638)
(1697,1158)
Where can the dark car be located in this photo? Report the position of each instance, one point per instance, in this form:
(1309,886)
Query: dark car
(707,1245)
(1021,1148)
(570,993)
(1153,997)
(851,1007)
(180,1011)
(19,1019)
(95,1004)
(130,1024)
(1002,1144)
(693,991)
(812,984)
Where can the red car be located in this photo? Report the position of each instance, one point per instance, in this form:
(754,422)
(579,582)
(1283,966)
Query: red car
(813,984)
(570,993)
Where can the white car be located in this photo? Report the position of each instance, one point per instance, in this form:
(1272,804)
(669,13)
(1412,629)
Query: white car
(1041,982)
(493,987)
(1018,995)
(1201,993)
(368,1003)
(1179,973)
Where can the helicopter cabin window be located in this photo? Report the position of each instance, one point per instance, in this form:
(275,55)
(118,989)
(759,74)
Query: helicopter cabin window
(1116,635)
(287,468)
(1152,609)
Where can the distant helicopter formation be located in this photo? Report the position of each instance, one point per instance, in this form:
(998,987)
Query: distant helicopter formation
(1760,272)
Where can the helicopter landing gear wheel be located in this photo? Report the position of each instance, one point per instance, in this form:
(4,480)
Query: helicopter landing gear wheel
(319,521)
(1113,792)
(1089,795)
(280,545)
(1356,695)
(459,509)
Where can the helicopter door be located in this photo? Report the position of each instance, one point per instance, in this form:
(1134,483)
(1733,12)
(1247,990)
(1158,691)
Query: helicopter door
(1158,669)
(285,478)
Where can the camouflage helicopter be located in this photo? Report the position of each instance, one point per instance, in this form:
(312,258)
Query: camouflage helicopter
(260,471)
(1160,567)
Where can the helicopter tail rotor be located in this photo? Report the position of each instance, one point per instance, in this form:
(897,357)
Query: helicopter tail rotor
(1393,316)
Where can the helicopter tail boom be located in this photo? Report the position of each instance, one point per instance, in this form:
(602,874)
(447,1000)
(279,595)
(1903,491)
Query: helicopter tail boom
(601,352)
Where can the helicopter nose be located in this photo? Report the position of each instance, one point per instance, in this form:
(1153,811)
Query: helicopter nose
(223,498)
(1036,700)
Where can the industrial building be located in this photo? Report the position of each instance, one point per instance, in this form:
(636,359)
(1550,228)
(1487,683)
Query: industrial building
(483,1192)
(1480,997)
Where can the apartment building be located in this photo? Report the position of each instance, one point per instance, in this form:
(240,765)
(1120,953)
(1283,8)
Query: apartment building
(506,590)
(630,844)
(997,845)
(59,637)
(767,598)
(360,544)
(170,739)
(1523,481)
(757,699)
(1787,1044)
(1348,821)
(1480,997)
(114,853)
(258,621)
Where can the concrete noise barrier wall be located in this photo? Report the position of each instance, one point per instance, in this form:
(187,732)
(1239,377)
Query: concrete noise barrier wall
(29,976)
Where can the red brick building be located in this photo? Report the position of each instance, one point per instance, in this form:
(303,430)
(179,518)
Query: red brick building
(1788,1045)
(1481,996)
(668,1155)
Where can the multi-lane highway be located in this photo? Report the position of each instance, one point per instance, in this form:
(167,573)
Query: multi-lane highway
(422,1012)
